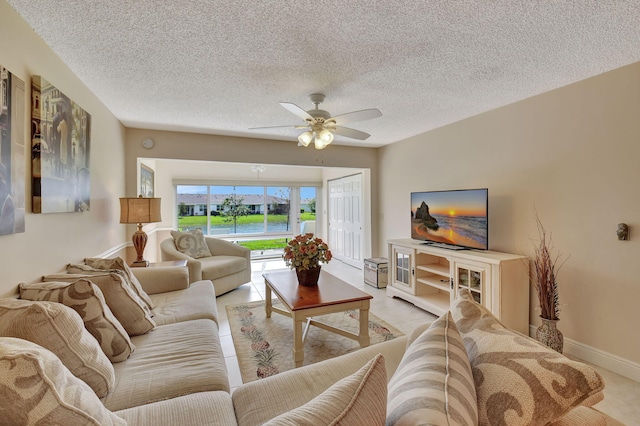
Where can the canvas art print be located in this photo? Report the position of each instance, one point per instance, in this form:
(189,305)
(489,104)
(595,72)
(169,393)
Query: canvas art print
(60,141)
(12,152)
(146,181)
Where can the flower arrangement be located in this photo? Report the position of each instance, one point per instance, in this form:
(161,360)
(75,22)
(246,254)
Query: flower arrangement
(543,275)
(305,252)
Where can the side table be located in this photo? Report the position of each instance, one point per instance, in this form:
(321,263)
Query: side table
(164,264)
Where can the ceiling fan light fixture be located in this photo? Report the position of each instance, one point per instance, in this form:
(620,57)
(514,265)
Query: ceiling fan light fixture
(323,139)
(305,139)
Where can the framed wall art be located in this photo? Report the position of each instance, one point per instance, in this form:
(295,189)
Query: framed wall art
(60,151)
(12,153)
(146,181)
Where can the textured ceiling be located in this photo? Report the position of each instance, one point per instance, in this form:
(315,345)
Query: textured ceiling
(222,67)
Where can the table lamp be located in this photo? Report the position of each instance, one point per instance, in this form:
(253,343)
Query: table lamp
(139,210)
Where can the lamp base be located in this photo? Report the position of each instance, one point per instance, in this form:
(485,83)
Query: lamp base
(141,264)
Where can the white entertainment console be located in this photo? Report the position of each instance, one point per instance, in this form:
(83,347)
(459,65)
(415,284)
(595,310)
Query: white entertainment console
(429,277)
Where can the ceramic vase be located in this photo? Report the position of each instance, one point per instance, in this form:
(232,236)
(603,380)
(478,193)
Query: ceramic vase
(308,277)
(549,335)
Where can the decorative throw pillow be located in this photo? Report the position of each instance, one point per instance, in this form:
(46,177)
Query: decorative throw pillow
(87,300)
(90,271)
(518,380)
(121,299)
(359,399)
(434,380)
(38,389)
(60,329)
(119,265)
(191,243)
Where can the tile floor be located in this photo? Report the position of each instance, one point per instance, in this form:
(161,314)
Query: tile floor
(622,396)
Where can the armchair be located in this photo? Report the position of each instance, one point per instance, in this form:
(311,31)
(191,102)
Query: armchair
(228,268)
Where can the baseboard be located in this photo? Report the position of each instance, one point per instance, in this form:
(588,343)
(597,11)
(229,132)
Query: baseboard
(600,358)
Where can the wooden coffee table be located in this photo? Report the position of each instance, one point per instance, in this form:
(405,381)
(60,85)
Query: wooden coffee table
(303,303)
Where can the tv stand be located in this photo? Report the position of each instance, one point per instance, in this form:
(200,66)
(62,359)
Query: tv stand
(430,277)
(444,246)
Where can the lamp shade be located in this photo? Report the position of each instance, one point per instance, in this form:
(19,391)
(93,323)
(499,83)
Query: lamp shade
(139,210)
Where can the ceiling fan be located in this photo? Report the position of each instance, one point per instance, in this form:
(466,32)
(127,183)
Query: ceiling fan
(322,126)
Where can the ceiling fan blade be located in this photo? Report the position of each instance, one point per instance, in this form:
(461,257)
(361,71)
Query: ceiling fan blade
(293,126)
(350,133)
(350,117)
(296,110)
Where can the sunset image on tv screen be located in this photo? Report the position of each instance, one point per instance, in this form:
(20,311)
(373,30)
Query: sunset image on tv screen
(451,217)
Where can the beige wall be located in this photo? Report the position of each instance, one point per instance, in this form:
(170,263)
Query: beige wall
(53,240)
(191,146)
(572,154)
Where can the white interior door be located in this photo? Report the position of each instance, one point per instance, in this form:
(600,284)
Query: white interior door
(345,219)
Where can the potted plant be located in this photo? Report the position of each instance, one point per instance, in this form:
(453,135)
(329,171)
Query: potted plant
(304,253)
(543,274)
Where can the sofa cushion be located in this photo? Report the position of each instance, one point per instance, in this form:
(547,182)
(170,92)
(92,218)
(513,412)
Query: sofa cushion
(261,400)
(123,302)
(216,267)
(198,301)
(118,264)
(37,388)
(191,243)
(170,361)
(59,328)
(518,380)
(434,380)
(87,300)
(196,409)
(358,399)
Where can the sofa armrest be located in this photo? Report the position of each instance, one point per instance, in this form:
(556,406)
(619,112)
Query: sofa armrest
(162,279)
(219,247)
(259,401)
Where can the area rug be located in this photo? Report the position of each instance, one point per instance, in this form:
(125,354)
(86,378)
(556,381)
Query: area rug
(264,345)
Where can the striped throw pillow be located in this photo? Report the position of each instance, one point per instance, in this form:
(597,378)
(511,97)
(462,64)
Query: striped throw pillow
(519,381)
(433,383)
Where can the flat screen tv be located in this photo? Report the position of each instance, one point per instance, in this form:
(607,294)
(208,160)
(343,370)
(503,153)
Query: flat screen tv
(452,219)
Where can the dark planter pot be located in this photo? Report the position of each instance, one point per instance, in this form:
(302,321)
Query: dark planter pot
(308,277)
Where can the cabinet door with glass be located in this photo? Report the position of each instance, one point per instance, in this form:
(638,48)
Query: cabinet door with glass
(472,277)
(402,269)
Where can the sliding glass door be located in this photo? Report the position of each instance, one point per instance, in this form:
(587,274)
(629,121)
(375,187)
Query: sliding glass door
(263,218)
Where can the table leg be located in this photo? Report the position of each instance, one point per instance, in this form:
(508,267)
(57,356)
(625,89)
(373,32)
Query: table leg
(298,343)
(364,325)
(267,305)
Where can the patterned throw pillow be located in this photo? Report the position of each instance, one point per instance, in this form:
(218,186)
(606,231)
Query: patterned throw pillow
(87,300)
(433,383)
(518,380)
(90,271)
(60,329)
(38,389)
(119,265)
(359,399)
(191,243)
(121,299)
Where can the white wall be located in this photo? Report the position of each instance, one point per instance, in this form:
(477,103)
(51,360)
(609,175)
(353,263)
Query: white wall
(573,154)
(53,240)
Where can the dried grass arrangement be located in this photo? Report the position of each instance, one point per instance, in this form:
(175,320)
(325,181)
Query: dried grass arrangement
(544,274)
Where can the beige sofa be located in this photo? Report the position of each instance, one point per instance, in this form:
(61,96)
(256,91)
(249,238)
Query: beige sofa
(228,267)
(177,375)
